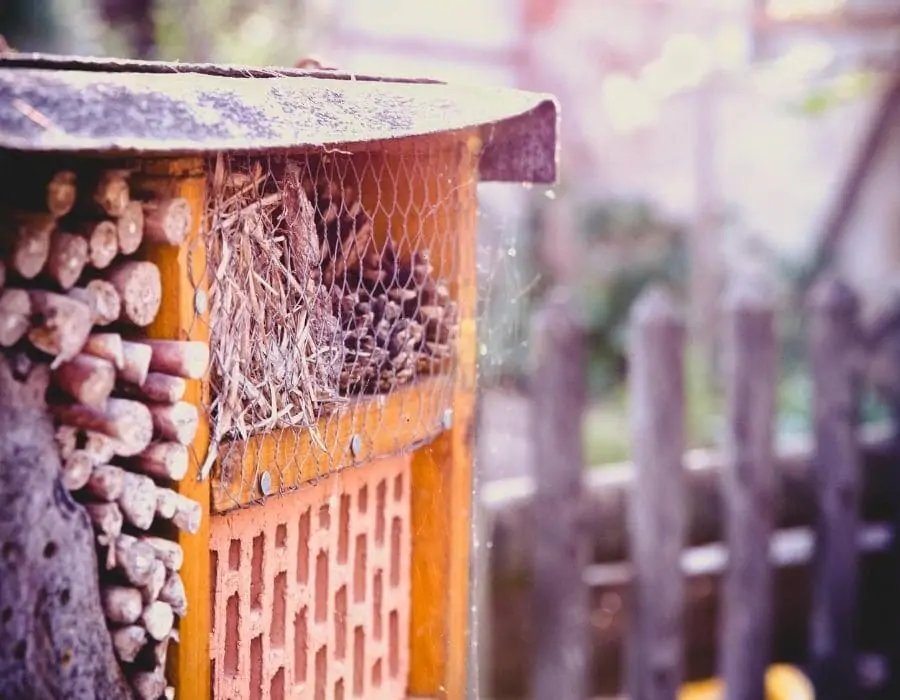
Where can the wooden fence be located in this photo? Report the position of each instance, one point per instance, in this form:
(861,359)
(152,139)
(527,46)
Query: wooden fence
(771,512)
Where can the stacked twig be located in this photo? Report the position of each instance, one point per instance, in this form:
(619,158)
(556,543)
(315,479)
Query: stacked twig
(71,296)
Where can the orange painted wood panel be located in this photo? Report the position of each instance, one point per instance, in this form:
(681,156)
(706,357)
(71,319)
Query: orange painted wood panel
(311,591)
(442,470)
(363,430)
(183,271)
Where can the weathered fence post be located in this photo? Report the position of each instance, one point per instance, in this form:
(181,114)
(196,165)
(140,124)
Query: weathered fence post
(657,513)
(561,606)
(836,379)
(748,488)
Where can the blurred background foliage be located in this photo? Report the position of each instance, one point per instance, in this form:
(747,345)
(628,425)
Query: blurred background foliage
(623,244)
(254,32)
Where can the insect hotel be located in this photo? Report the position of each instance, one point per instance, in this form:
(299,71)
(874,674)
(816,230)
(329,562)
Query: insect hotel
(237,375)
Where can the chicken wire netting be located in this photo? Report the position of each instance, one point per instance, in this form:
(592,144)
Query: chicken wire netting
(333,310)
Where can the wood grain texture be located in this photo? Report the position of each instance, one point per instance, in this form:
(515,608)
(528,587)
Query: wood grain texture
(834,356)
(291,456)
(183,271)
(657,516)
(443,218)
(560,596)
(748,488)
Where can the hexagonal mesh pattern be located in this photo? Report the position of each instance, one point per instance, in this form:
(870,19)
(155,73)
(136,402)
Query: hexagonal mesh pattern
(311,590)
(333,299)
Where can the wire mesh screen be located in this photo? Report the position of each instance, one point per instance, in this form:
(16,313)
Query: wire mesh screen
(333,316)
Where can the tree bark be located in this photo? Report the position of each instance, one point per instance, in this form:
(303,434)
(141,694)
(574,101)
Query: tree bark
(54,642)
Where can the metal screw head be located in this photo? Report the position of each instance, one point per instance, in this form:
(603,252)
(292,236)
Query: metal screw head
(447,419)
(265,483)
(356,445)
(200,301)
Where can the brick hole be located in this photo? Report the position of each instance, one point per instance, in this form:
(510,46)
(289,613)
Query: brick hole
(377,594)
(362,500)
(359,660)
(234,555)
(324,517)
(376,674)
(344,531)
(279,611)
(359,570)
(301,646)
(256,570)
(398,487)
(256,668)
(232,635)
(281,535)
(276,688)
(380,497)
(212,677)
(394,644)
(321,671)
(396,531)
(321,612)
(303,549)
(339,690)
(340,623)
(214,585)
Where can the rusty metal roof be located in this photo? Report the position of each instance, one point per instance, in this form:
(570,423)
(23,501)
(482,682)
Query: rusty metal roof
(84,105)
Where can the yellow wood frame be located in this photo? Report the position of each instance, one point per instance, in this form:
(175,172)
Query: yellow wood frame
(436,207)
(184,316)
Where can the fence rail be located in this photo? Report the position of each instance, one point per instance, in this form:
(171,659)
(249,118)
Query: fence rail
(668,525)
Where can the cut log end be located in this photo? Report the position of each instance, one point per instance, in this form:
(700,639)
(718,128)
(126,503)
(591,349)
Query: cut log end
(173,593)
(15,316)
(176,422)
(106,482)
(76,470)
(111,192)
(188,515)
(128,642)
(130,228)
(103,242)
(168,221)
(61,193)
(134,559)
(107,346)
(158,619)
(137,363)
(61,325)
(121,604)
(87,379)
(163,460)
(159,388)
(138,500)
(140,287)
(31,235)
(182,358)
(128,423)
(67,259)
(107,519)
(103,300)
(168,552)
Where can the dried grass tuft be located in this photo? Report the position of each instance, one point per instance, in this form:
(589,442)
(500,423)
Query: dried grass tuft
(276,348)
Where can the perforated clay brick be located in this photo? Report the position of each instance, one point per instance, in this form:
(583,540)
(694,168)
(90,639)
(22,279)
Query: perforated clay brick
(311,591)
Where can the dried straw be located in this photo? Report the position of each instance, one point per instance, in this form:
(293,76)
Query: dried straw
(276,348)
